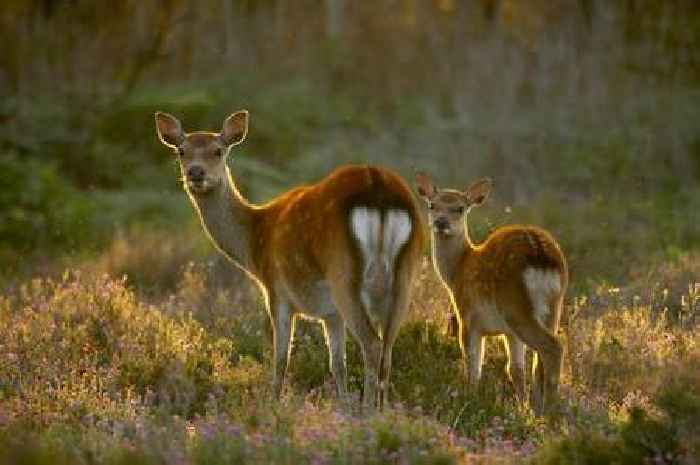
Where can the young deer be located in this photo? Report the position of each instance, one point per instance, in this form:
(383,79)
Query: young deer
(344,251)
(512,284)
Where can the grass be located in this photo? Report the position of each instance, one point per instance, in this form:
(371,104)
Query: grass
(94,369)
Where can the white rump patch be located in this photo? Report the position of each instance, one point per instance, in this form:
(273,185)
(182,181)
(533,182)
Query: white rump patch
(542,285)
(397,229)
(381,239)
(377,242)
(366,224)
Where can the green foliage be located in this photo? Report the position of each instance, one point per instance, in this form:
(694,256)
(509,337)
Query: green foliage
(230,449)
(672,432)
(590,448)
(668,432)
(600,190)
(38,208)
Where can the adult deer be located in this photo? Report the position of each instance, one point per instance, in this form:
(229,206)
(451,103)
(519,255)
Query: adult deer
(344,251)
(512,284)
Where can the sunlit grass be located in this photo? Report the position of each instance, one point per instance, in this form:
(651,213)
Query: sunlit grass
(89,369)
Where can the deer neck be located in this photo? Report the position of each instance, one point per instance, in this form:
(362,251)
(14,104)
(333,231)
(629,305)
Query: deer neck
(449,253)
(228,218)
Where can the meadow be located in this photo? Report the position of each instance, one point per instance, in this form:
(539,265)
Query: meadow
(126,338)
(93,371)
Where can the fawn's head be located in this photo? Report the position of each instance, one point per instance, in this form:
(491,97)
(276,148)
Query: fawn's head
(447,208)
(202,155)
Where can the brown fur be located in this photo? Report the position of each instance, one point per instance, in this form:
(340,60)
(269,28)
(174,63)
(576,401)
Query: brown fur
(312,221)
(489,268)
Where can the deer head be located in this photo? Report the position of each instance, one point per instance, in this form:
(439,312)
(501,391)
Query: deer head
(447,208)
(202,155)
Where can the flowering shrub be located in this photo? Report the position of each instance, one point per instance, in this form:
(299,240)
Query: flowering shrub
(91,373)
(85,350)
(666,433)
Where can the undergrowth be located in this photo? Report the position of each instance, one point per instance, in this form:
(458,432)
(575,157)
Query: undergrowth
(94,371)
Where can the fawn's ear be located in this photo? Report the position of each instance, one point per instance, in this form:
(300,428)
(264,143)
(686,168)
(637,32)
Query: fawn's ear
(479,191)
(235,128)
(169,130)
(425,186)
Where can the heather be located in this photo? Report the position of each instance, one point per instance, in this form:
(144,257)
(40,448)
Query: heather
(94,372)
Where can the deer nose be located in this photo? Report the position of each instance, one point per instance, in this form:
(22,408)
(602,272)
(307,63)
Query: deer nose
(195,173)
(442,223)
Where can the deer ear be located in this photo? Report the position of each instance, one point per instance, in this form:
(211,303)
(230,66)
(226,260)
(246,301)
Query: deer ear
(425,186)
(478,192)
(235,128)
(169,130)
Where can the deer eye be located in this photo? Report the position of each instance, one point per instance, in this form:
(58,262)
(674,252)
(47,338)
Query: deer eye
(180,151)
(457,210)
(431,206)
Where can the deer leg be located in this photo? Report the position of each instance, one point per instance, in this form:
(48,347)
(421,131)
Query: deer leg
(357,321)
(521,314)
(472,344)
(401,301)
(334,328)
(476,357)
(282,329)
(549,355)
(371,355)
(538,371)
(537,384)
(516,365)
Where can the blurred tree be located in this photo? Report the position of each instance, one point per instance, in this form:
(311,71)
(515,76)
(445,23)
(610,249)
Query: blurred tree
(673,26)
(490,9)
(588,11)
(334,18)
